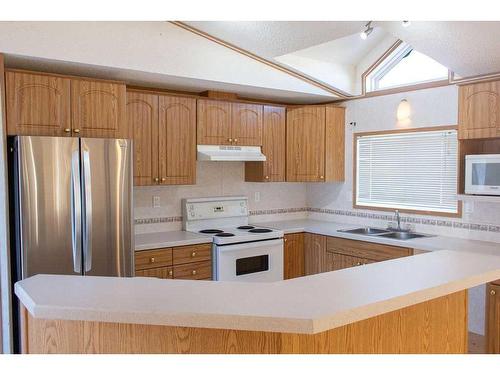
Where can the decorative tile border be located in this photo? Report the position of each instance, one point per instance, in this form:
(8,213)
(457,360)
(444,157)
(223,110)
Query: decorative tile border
(365,215)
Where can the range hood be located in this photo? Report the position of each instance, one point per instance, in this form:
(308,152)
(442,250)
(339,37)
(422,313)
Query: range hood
(230,153)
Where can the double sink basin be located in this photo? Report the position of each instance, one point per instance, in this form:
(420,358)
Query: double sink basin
(386,233)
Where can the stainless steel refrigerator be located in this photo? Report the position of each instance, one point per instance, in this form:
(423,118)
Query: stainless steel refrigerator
(71,206)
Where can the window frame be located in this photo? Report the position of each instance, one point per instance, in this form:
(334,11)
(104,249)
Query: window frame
(389,54)
(458,214)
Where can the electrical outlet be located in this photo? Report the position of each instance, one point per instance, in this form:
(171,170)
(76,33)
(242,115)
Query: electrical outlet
(257,196)
(156,201)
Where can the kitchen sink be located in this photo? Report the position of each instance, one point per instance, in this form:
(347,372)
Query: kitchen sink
(387,233)
(368,231)
(403,235)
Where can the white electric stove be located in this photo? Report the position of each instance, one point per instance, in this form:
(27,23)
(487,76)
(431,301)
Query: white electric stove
(241,252)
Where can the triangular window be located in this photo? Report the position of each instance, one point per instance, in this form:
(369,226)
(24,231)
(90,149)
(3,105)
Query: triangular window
(404,67)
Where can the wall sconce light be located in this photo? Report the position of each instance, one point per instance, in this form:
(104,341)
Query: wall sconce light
(404,111)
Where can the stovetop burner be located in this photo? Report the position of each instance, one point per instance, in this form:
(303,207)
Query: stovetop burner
(260,230)
(211,231)
(224,234)
(246,227)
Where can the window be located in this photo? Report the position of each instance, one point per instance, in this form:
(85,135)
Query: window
(403,67)
(414,170)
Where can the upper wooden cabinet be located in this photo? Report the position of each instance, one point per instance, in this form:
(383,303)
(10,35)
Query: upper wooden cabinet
(37,104)
(479,110)
(224,123)
(273,146)
(315,144)
(98,109)
(142,119)
(164,133)
(54,105)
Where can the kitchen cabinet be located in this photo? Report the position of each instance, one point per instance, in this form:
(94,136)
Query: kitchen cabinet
(37,104)
(225,123)
(479,110)
(273,146)
(367,250)
(334,261)
(191,262)
(293,257)
(164,132)
(98,109)
(493,317)
(314,253)
(43,104)
(315,144)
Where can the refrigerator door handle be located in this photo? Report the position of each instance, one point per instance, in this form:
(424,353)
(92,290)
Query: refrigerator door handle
(76,212)
(87,248)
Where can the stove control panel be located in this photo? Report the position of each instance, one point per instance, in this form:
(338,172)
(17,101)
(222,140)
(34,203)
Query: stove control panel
(202,210)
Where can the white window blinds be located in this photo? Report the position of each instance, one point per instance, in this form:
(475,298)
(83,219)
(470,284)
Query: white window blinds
(413,170)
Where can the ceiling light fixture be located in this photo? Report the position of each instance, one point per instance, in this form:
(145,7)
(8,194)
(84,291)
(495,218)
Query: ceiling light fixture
(406,23)
(367,31)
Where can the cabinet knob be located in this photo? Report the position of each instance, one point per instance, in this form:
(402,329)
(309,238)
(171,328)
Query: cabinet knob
(193,254)
(322,177)
(493,292)
(194,272)
(230,139)
(267,177)
(67,130)
(170,273)
(236,140)
(156,179)
(163,179)
(286,239)
(358,264)
(76,130)
(151,260)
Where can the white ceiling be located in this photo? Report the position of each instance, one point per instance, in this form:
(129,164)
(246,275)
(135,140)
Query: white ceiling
(466,47)
(275,38)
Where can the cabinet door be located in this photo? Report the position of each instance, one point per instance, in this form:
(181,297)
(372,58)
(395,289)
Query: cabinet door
(37,104)
(314,253)
(335,144)
(334,261)
(294,255)
(367,250)
(493,318)
(142,118)
(98,109)
(161,273)
(479,110)
(214,122)
(273,146)
(246,124)
(177,134)
(194,271)
(305,159)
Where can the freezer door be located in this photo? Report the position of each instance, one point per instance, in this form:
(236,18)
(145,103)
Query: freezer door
(107,206)
(48,185)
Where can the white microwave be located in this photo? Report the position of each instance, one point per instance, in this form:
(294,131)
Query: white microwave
(482,174)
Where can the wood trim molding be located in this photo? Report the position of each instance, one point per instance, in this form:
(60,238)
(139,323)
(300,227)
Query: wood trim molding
(303,77)
(355,136)
(473,79)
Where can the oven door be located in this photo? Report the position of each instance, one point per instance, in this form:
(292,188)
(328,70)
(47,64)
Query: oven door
(252,261)
(482,176)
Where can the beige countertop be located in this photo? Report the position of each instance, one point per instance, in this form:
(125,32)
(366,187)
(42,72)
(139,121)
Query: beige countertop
(308,304)
(433,243)
(149,241)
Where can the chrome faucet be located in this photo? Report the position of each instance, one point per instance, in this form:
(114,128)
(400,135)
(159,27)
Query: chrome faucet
(398,219)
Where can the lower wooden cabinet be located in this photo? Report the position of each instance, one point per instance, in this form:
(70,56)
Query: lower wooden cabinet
(314,253)
(293,257)
(192,262)
(493,317)
(334,261)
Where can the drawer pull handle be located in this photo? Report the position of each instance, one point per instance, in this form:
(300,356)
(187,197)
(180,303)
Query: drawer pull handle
(156,179)
(493,292)
(67,130)
(194,272)
(151,260)
(170,273)
(76,130)
(193,254)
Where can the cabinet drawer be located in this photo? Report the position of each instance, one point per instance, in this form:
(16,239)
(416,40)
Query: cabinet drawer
(194,271)
(153,258)
(192,253)
(366,250)
(161,273)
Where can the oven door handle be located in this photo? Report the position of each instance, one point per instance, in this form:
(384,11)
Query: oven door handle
(249,245)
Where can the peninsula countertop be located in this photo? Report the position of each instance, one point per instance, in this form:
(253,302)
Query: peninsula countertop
(309,304)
